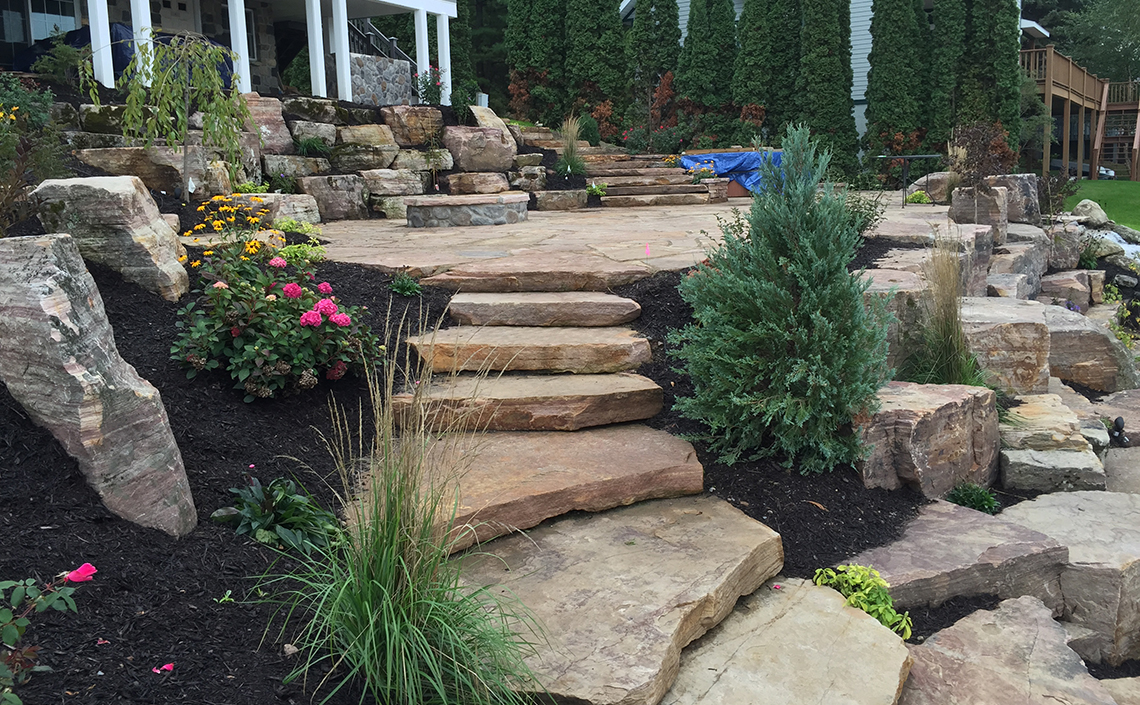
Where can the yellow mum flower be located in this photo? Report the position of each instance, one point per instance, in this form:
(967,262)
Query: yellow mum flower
(257,199)
(218,225)
(230,219)
(244,258)
(253,221)
(218,198)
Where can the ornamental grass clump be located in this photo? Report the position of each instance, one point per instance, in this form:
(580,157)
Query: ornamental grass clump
(259,316)
(570,163)
(384,608)
(784,353)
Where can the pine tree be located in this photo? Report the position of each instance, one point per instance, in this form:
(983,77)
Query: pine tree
(920,62)
(892,84)
(751,78)
(949,44)
(826,78)
(595,50)
(704,69)
(784,352)
(654,44)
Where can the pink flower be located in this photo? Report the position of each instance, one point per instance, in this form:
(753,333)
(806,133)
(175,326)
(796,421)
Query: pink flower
(311,318)
(324,288)
(292,290)
(167,667)
(341,319)
(278,262)
(326,307)
(221,285)
(81,574)
(337,371)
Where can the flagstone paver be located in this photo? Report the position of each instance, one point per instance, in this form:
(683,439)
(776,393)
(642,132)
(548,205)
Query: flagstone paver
(561,308)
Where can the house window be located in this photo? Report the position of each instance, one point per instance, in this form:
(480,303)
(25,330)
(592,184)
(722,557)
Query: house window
(50,16)
(250,30)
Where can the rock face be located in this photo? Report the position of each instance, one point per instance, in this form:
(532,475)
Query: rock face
(461,211)
(568,308)
(485,117)
(1065,246)
(338,197)
(391,207)
(937,185)
(1028,258)
(1022,205)
(1089,213)
(480,148)
(1042,422)
(987,556)
(1052,470)
(1067,287)
(561,200)
(1126,691)
(528,178)
(413,125)
(1011,342)
(932,438)
(1101,583)
(295,167)
(969,205)
(270,125)
(518,348)
(364,147)
(1010,286)
(312,109)
(798,643)
(649,579)
(477,182)
(536,402)
(434,159)
(392,182)
(1122,468)
(59,361)
(1085,352)
(1014,654)
(298,206)
(903,292)
(304,130)
(116,223)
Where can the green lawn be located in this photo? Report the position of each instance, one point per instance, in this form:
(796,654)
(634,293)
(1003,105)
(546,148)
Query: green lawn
(1119,199)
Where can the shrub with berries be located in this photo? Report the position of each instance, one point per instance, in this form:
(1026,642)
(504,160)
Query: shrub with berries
(261,317)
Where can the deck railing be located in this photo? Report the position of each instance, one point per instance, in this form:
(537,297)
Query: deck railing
(1065,77)
(1126,93)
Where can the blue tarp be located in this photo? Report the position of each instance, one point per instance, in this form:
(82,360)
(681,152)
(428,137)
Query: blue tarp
(741,167)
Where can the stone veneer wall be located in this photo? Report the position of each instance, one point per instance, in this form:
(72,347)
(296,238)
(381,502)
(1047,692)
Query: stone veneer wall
(376,80)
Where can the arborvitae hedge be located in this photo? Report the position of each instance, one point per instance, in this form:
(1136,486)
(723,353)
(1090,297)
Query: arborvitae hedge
(704,70)
(752,78)
(462,65)
(784,352)
(990,87)
(825,80)
(948,41)
(536,53)
(893,82)
(595,51)
(654,44)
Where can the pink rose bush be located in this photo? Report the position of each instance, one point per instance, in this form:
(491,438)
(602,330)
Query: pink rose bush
(270,344)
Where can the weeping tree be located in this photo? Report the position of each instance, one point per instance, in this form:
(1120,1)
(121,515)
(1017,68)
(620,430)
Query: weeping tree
(166,82)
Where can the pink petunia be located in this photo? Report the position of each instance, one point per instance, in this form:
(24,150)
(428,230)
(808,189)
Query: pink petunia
(341,319)
(292,290)
(326,307)
(311,318)
(278,262)
(324,288)
(81,574)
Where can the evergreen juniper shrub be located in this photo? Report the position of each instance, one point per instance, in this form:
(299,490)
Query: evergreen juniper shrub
(783,352)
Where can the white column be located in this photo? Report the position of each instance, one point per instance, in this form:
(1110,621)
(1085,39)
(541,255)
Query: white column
(141,24)
(423,59)
(340,48)
(239,43)
(443,39)
(104,68)
(316,48)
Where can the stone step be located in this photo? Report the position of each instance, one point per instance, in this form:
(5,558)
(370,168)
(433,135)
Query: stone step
(546,272)
(655,190)
(650,169)
(527,348)
(987,556)
(679,199)
(616,181)
(792,642)
(556,308)
(1014,654)
(537,402)
(555,144)
(1101,589)
(620,593)
(1126,691)
(1052,470)
(1122,470)
(1042,422)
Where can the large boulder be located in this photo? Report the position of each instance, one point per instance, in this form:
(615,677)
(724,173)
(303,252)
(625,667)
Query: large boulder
(306,130)
(1028,258)
(485,117)
(430,160)
(986,206)
(295,167)
(931,437)
(364,147)
(312,110)
(1089,213)
(392,182)
(343,197)
(1022,205)
(529,178)
(1085,352)
(1011,342)
(938,185)
(115,223)
(413,125)
(480,148)
(1065,245)
(58,359)
(903,292)
(477,182)
(1067,288)
(267,121)
(298,206)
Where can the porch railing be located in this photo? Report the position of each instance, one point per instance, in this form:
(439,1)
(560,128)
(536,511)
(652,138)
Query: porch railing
(1049,66)
(364,38)
(1126,93)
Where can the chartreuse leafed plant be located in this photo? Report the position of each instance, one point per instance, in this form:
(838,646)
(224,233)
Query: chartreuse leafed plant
(258,316)
(384,608)
(20,600)
(783,352)
(941,354)
(974,496)
(570,163)
(865,588)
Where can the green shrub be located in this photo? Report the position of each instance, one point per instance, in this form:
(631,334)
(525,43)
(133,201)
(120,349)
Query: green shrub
(304,253)
(865,588)
(30,148)
(864,212)
(292,225)
(588,129)
(918,197)
(61,63)
(404,285)
(312,147)
(596,189)
(974,496)
(281,514)
(251,187)
(783,352)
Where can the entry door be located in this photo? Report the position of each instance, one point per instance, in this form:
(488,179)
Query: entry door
(180,16)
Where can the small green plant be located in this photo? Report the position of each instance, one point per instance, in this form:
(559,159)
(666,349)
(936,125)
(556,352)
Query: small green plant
(702,173)
(280,514)
(251,187)
(865,588)
(225,599)
(596,189)
(588,129)
(974,496)
(19,600)
(1087,259)
(292,225)
(570,163)
(312,147)
(62,61)
(429,86)
(1112,294)
(864,212)
(304,254)
(405,285)
(918,197)
(281,183)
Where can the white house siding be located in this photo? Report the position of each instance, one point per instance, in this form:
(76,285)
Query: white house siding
(860,46)
(683,13)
